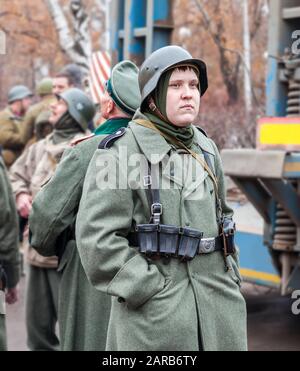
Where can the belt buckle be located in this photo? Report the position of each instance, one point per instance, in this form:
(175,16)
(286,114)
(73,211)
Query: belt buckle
(207,246)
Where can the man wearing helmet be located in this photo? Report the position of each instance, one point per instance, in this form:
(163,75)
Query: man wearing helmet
(11,121)
(70,117)
(83,311)
(163,247)
(44,91)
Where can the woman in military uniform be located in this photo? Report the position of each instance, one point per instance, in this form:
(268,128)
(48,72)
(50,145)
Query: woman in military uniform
(9,250)
(163,247)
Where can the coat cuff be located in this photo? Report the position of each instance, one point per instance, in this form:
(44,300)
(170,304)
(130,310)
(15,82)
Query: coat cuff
(136,282)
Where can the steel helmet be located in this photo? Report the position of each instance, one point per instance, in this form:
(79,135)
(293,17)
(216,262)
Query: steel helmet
(45,86)
(18,92)
(162,60)
(80,107)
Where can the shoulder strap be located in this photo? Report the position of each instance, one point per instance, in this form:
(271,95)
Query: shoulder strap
(80,140)
(206,164)
(110,139)
(208,161)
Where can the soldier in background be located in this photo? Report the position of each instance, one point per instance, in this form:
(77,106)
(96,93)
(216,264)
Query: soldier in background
(42,127)
(70,116)
(69,77)
(11,120)
(44,91)
(9,250)
(83,311)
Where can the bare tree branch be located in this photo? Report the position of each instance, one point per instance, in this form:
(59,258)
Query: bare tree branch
(77,47)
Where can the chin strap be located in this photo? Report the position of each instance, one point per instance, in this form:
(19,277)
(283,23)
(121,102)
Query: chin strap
(157,112)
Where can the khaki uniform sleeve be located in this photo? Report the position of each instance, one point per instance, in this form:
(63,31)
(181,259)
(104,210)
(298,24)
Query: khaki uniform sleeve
(104,220)
(55,206)
(9,138)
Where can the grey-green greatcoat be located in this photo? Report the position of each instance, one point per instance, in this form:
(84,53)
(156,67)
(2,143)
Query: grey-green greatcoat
(174,307)
(83,311)
(9,248)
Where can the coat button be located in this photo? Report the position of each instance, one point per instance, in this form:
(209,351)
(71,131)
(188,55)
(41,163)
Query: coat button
(121,300)
(187,224)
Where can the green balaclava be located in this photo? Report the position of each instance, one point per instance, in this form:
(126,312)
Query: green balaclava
(65,129)
(185,134)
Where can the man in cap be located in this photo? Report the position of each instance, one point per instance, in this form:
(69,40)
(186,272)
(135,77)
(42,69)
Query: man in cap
(9,250)
(84,311)
(11,120)
(70,116)
(163,247)
(44,91)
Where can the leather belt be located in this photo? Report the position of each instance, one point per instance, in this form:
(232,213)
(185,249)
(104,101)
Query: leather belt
(207,245)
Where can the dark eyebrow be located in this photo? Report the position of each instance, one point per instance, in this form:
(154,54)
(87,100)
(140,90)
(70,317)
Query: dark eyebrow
(178,81)
(173,81)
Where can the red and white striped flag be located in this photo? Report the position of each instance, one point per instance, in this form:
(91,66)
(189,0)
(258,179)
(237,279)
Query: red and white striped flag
(100,69)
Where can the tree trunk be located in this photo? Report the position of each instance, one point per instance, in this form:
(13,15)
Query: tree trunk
(77,47)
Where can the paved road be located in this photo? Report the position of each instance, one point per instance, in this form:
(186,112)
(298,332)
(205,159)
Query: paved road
(16,322)
(271,324)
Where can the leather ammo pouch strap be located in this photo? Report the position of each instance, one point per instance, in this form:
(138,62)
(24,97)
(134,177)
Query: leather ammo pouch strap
(156,239)
(226,238)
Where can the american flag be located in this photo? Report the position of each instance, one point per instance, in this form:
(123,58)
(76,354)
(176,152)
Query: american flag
(100,69)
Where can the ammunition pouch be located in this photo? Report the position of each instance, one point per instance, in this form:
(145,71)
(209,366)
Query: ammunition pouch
(228,231)
(166,241)
(189,243)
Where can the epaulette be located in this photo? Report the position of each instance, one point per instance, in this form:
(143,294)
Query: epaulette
(80,140)
(202,131)
(110,139)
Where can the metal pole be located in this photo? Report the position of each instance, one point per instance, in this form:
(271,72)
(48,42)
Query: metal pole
(149,37)
(247,57)
(107,24)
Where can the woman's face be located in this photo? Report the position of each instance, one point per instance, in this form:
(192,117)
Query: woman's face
(57,110)
(183,97)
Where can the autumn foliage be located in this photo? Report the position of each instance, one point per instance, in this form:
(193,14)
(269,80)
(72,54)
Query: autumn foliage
(33,51)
